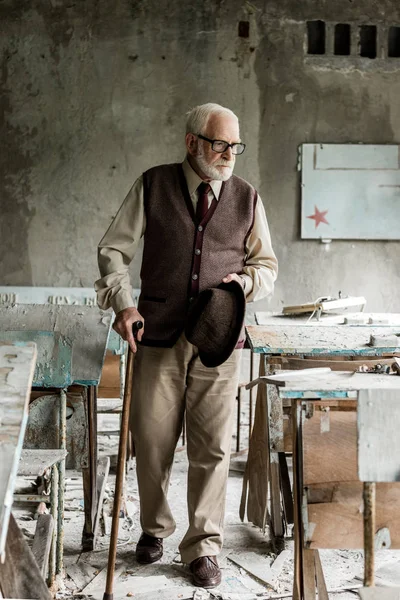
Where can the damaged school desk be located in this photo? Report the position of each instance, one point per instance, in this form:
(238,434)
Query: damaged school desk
(71,342)
(292,343)
(344,432)
(20,576)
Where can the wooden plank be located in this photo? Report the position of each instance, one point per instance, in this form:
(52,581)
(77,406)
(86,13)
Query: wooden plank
(282,378)
(275,432)
(286,491)
(317,339)
(275,496)
(378,424)
(309,589)
(255,564)
(20,575)
(257,471)
(42,542)
(17,364)
(380,593)
(103,468)
(98,584)
(337,522)
(319,575)
(81,573)
(325,305)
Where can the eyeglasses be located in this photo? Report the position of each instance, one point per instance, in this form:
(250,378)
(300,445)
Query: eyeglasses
(221,146)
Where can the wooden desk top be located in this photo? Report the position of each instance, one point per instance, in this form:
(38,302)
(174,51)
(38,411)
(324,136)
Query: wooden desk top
(329,319)
(345,340)
(85,330)
(335,384)
(17,363)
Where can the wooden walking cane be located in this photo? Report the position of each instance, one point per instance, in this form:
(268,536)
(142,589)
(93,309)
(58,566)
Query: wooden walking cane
(123,439)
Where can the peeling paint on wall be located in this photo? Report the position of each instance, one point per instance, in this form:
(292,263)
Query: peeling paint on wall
(94,93)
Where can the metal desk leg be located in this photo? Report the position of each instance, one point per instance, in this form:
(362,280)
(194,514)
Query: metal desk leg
(61,487)
(369,493)
(54,509)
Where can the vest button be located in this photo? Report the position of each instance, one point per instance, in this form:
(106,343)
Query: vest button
(200,228)
(194,276)
(197,251)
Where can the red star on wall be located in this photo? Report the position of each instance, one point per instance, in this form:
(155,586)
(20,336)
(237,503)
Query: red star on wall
(319,217)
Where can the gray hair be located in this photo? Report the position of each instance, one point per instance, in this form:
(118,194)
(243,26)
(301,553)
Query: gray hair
(197,118)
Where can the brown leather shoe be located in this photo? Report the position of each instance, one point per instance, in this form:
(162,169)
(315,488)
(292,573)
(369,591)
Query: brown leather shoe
(149,549)
(206,572)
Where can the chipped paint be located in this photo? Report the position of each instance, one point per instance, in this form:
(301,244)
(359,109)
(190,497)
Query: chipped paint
(53,365)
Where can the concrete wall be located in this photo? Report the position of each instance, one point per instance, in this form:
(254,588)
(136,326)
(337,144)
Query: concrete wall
(95,92)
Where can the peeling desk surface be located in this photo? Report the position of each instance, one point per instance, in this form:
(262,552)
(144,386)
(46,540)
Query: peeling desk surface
(334,384)
(17,364)
(82,331)
(297,339)
(350,319)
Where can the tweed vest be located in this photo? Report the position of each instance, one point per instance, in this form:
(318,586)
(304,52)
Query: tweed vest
(182,257)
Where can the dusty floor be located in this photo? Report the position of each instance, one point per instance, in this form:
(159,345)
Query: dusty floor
(169,579)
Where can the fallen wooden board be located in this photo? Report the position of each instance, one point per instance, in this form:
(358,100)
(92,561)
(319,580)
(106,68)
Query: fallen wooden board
(42,542)
(20,575)
(256,565)
(81,573)
(98,584)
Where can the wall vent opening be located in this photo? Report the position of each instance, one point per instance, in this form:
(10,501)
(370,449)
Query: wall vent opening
(368,41)
(244,29)
(394,42)
(342,39)
(316,37)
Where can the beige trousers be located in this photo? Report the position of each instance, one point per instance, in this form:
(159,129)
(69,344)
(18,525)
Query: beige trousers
(166,383)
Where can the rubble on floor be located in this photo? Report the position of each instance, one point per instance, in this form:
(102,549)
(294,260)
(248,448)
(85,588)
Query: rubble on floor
(250,569)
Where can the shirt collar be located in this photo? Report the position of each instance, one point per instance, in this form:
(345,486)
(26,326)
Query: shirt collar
(193,180)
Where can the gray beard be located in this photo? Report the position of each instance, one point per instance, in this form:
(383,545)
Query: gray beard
(212,172)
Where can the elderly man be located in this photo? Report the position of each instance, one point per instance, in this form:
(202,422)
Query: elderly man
(201,225)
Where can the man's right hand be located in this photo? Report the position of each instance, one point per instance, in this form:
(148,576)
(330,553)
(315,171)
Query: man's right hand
(123,326)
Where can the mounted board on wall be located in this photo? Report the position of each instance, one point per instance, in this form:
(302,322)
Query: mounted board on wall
(350,191)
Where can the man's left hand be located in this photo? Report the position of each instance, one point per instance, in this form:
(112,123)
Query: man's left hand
(233,277)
